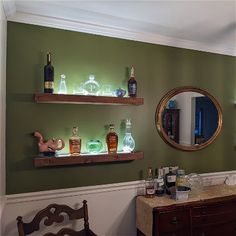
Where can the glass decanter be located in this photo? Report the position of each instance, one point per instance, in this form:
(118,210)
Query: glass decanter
(92,86)
(128,141)
(62,85)
(94,146)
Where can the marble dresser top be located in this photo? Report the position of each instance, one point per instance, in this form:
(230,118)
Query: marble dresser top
(145,206)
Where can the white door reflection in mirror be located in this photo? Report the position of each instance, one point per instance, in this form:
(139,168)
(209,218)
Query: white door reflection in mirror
(197,117)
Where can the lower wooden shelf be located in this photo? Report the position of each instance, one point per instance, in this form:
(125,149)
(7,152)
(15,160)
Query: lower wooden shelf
(40,161)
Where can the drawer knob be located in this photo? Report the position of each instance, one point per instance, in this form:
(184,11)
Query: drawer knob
(174,221)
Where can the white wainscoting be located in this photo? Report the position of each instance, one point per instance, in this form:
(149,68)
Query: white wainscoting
(111,206)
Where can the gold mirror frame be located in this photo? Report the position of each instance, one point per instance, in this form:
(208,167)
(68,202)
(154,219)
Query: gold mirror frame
(162,105)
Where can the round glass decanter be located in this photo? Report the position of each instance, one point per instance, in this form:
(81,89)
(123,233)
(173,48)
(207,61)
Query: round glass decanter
(94,146)
(62,85)
(92,86)
(128,141)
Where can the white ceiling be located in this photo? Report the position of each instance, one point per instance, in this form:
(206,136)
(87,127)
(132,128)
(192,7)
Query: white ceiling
(201,25)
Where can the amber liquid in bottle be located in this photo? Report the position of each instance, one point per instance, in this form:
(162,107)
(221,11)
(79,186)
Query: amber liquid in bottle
(48,75)
(112,140)
(75,143)
(132,84)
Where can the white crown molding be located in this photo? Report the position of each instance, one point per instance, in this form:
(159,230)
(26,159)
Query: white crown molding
(116,32)
(138,186)
(9,7)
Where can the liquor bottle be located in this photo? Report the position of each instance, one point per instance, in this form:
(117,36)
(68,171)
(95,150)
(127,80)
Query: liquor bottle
(155,180)
(75,143)
(128,141)
(48,75)
(132,84)
(170,180)
(149,184)
(112,140)
(160,183)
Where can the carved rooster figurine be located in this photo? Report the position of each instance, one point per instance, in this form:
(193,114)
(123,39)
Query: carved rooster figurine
(50,146)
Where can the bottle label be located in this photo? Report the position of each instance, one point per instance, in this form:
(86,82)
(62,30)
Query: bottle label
(112,143)
(48,84)
(132,89)
(150,191)
(75,146)
(171,178)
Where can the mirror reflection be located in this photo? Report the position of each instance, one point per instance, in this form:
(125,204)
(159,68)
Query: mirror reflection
(188,118)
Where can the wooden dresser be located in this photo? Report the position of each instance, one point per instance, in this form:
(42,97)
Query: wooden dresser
(210,213)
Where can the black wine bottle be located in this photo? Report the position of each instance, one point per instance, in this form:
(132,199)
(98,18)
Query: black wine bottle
(132,84)
(48,75)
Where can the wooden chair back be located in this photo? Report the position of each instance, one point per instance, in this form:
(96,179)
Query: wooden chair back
(53,214)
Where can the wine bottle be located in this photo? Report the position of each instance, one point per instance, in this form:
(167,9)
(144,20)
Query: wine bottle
(48,75)
(132,84)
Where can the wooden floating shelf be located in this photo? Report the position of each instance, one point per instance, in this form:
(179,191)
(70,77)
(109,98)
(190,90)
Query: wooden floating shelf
(40,161)
(83,99)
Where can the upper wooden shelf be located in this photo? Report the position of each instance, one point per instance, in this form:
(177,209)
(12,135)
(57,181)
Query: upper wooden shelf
(40,161)
(83,99)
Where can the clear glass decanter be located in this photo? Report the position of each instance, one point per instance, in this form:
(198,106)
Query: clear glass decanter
(92,86)
(128,141)
(62,86)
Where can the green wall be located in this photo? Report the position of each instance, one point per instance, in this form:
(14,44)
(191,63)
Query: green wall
(158,69)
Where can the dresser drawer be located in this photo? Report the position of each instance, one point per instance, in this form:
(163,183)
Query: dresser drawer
(210,209)
(214,214)
(226,229)
(173,221)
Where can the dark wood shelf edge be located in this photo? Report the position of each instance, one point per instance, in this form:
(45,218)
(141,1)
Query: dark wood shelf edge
(86,159)
(83,99)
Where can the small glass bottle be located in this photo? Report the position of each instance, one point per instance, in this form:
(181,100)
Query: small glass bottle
(62,85)
(170,180)
(75,143)
(128,141)
(132,84)
(149,184)
(112,140)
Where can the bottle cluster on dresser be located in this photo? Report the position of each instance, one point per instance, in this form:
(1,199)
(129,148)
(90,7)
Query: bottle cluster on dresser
(89,87)
(163,180)
(95,146)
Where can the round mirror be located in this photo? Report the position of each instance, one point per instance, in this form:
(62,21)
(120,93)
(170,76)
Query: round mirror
(188,118)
